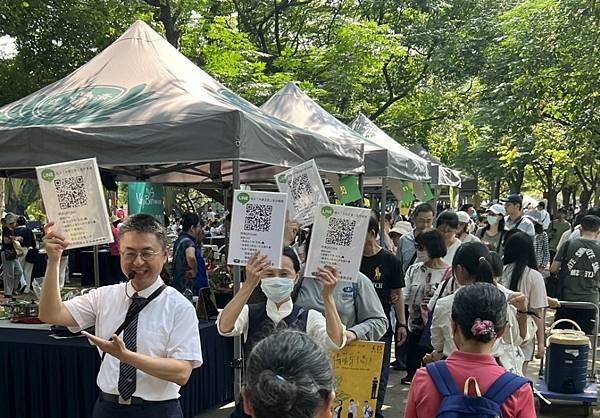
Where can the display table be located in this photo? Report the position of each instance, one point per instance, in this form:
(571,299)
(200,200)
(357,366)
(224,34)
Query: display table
(47,378)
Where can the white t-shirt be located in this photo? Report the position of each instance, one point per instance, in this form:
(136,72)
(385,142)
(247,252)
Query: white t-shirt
(167,328)
(531,285)
(451,250)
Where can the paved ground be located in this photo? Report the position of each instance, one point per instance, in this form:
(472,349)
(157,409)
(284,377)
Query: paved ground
(397,395)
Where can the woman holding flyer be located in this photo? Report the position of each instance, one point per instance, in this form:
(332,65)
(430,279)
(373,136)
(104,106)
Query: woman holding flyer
(257,321)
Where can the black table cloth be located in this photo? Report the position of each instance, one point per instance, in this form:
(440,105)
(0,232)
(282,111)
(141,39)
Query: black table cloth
(41,377)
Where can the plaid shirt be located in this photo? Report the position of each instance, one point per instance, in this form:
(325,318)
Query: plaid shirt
(542,249)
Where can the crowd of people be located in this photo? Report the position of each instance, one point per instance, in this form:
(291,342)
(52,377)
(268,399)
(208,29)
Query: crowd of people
(463,292)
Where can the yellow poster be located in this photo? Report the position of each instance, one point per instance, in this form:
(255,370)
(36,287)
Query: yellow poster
(357,370)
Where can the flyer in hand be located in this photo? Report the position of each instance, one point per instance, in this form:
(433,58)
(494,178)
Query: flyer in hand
(74,200)
(338,240)
(257,224)
(305,191)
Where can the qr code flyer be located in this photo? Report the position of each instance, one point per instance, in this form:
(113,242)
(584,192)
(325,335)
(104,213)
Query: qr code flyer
(74,201)
(257,225)
(305,191)
(341,241)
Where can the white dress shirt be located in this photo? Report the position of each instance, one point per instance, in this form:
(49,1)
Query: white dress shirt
(167,328)
(316,326)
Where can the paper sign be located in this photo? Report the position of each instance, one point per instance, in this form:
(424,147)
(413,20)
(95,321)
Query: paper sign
(74,200)
(257,224)
(338,240)
(357,371)
(305,190)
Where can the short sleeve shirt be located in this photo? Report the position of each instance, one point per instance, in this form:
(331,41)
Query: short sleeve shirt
(531,285)
(582,268)
(385,271)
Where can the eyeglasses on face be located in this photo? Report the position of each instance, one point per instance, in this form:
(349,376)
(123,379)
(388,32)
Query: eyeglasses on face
(145,255)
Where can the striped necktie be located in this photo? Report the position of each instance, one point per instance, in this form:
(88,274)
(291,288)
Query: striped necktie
(127,373)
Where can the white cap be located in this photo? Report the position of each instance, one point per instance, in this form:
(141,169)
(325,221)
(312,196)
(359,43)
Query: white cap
(402,228)
(463,217)
(497,209)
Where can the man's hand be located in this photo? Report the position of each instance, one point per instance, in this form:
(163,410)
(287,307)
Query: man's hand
(291,230)
(539,354)
(553,303)
(401,334)
(329,277)
(54,243)
(255,268)
(115,348)
(395,298)
(190,274)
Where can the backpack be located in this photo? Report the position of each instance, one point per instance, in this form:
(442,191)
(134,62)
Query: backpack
(457,404)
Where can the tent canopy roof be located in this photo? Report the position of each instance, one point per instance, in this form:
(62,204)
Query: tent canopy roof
(144,110)
(440,174)
(293,105)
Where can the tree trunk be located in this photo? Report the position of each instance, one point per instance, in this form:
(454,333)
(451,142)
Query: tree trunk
(2,195)
(515,187)
(584,198)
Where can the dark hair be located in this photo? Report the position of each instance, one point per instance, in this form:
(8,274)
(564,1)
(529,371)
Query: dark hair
(447,217)
(388,216)
(594,211)
(488,226)
(465,207)
(146,224)
(289,252)
(541,205)
(189,220)
(288,375)
(538,228)
(479,302)
(520,251)
(474,258)
(590,223)
(423,208)
(433,241)
(495,261)
(373,223)
(21,221)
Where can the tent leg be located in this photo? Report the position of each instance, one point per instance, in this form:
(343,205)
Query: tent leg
(96,267)
(237,341)
(361,187)
(382,206)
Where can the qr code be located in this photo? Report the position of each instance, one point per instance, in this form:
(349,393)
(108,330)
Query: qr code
(258,217)
(71,192)
(300,186)
(340,232)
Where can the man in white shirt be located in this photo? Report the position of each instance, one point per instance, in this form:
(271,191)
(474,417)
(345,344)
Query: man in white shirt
(515,219)
(144,366)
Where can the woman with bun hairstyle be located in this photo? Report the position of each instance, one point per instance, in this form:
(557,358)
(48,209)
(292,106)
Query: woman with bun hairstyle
(479,319)
(288,375)
(473,263)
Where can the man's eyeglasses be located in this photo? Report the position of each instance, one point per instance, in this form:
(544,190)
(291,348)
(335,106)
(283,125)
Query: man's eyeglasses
(145,255)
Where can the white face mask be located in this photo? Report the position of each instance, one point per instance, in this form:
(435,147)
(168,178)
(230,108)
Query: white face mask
(492,220)
(277,289)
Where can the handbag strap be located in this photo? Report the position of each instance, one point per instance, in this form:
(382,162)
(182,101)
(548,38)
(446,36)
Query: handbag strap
(135,312)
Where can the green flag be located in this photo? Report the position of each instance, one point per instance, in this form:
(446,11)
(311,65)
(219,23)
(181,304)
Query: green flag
(349,190)
(427,193)
(408,195)
(146,198)
(452,193)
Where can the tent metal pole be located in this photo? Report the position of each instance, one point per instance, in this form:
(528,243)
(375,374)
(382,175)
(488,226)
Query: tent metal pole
(361,187)
(382,206)
(96,267)
(237,341)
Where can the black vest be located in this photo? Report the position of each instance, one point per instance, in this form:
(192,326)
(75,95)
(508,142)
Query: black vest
(261,326)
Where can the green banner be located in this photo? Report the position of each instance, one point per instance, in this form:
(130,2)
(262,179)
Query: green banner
(146,198)
(349,190)
(427,193)
(408,195)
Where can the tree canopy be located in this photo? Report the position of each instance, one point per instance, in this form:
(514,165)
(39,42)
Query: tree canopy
(506,90)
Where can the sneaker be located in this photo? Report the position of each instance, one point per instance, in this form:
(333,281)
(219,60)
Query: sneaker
(406,381)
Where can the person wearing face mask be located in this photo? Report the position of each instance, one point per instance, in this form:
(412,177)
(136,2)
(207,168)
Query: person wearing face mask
(258,321)
(422,279)
(492,234)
